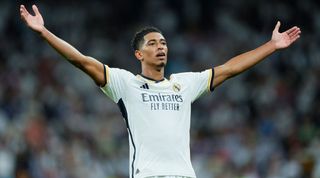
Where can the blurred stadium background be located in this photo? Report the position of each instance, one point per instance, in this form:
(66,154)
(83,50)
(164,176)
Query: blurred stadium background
(55,123)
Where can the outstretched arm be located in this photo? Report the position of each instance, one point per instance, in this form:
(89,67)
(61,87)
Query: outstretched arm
(244,61)
(89,65)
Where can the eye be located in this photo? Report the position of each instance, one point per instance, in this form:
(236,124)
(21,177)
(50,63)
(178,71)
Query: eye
(164,43)
(152,43)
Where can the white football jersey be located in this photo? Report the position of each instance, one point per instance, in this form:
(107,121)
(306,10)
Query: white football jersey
(157,114)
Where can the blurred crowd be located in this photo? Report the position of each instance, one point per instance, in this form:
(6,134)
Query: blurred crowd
(56,123)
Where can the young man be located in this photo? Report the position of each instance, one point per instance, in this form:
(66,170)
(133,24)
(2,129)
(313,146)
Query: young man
(157,110)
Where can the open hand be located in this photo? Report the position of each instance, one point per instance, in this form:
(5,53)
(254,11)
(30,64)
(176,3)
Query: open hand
(284,39)
(35,22)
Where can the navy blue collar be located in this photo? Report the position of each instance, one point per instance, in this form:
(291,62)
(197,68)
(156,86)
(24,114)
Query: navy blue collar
(157,81)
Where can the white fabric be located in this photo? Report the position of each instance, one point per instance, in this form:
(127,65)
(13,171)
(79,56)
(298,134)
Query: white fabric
(158,119)
(168,177)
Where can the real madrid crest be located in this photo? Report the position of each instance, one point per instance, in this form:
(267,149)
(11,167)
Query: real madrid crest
(176,87)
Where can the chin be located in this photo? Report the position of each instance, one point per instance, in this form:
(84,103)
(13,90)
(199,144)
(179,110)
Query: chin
(162,64)
(164,61)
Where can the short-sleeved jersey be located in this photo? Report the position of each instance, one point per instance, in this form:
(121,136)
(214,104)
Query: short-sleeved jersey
(157,114)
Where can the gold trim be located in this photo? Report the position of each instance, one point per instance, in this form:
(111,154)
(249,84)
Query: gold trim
(145,79)
(209,79)
(107,74)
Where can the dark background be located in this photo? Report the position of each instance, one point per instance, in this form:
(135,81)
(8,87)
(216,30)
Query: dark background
(55,123)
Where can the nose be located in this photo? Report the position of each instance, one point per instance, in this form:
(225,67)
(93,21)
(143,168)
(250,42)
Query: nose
(160,46)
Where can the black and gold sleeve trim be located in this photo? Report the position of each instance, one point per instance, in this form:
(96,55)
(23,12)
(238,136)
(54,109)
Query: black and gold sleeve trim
(106,72)
(211,87)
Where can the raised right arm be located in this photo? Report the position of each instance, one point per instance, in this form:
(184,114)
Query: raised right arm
(89,65)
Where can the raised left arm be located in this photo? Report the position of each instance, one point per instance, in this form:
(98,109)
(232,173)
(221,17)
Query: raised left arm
(242,62)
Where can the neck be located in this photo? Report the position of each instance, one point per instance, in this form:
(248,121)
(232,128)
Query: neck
(155,74)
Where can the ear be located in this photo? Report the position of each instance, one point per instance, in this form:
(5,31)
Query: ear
(138,55)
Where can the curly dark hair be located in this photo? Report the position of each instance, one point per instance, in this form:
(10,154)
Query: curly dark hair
(138,38)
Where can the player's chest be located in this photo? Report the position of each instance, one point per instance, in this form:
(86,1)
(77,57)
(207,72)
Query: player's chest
(169,96)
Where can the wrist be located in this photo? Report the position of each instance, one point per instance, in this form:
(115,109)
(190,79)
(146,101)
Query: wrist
(272,45)
(42,32)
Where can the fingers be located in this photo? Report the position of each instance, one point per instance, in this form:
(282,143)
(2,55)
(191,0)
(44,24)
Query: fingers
(293,32)
(276,28)
(23,11)
(295,38)
(35,10)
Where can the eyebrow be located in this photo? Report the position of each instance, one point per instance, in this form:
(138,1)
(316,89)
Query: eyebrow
(154,40)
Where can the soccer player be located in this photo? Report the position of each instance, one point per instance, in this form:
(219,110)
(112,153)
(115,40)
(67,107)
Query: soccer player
(157,110)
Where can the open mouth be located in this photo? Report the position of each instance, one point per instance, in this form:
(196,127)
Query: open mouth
(161,54)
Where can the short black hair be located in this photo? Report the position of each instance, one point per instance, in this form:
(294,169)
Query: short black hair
(138,38)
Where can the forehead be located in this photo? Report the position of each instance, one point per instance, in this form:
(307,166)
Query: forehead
(153,36)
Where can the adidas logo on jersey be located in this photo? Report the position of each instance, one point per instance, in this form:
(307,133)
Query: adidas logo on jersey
(145,86)
(137,171)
